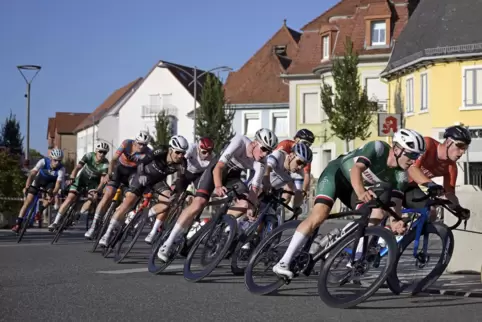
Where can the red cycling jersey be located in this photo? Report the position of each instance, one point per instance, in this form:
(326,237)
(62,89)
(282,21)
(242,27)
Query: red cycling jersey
(432,166)
(287,146)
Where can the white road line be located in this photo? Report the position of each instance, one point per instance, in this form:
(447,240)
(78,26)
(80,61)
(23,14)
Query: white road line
(40,244)
(140,270)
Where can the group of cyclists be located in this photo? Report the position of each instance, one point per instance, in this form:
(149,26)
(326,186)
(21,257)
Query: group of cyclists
(409,164)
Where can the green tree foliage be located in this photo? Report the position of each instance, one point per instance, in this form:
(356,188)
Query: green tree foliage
(163,127)
(214,118)
(349,110)
(10,135)
(12,181)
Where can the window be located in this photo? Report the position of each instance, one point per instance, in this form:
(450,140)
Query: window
(280,123)
(252,123)
(424,92)
(326,47)
(377,92)
(473,87)
(378,33)
(311,108)
(409,96)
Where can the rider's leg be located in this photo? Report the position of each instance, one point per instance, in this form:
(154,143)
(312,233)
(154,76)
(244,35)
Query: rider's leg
(63,208)
(119,216)
(101,208)
(160,210)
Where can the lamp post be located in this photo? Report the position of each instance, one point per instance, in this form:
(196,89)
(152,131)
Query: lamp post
(195,79)
(21,69)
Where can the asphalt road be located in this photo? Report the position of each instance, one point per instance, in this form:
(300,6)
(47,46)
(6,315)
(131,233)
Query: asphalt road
(65,282)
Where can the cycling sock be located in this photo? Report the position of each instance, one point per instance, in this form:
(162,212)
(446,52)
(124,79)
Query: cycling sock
(114,223)
(151,213)
(19,220)
(57,218)
(176,231)
(297,241)
(97,216)
(156,226)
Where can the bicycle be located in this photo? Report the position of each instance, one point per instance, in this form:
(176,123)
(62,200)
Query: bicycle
(269,218)
(31,211)
(101,228)
(420,225)
(304,262)
(72,211)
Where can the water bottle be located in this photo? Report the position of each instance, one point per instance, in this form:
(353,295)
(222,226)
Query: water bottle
(321,241)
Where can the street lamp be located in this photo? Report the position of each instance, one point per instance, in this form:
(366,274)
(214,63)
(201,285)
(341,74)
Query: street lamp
(195,79)
(22,68)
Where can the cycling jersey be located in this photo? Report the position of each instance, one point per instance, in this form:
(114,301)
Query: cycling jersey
(287,146)
(335,181)
(89,176)
(127,157)
(45,169)
(235,157)
(433,167)
(279,176)
(194,162)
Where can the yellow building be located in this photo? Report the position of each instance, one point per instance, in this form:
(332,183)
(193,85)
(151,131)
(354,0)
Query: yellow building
(435,77)
(372,26)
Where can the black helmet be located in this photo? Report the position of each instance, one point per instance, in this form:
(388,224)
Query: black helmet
(458,133)
(305,135)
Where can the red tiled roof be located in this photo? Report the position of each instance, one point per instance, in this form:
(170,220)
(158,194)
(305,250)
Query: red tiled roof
(66,122)
(352,25)
(105,107)
(258,81)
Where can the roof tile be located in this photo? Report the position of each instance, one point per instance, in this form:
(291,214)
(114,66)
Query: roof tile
(66,122)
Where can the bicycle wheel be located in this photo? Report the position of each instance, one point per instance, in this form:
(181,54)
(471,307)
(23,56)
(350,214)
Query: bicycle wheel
(105,224)
(155,265)
(359,268)
(134,231)
(26,223)
(398,283)
(216,243)
(65,222)
(266,254)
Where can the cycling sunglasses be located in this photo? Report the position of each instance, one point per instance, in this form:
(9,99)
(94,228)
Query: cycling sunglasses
(460,145)
(102,152)
(411,155)
(265,149)
(300,162)
(179,152)
(206,151)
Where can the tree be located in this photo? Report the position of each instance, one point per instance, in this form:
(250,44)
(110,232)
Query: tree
(350,112)
(214,118)
(163,128)
(12,181)
(34,154)
(10,136)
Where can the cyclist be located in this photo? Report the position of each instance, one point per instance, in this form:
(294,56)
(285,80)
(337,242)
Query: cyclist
(152,173)
(198,157)
(225,171)
(93,169)
(439,161)
(122,169)
(348,177)
(48,173)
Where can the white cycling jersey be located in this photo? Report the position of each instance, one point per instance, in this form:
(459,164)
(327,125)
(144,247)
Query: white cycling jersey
(235,157)
(279,176)
(194,162)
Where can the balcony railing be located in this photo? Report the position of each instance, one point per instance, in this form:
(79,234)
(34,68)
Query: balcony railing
(151,111)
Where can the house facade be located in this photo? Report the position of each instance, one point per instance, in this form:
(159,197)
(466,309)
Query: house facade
(61,132)
(433,77)
(372,25)
(259,97)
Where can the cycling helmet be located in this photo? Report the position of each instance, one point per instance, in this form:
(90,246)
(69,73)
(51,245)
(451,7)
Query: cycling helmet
(267,138)
(56,154)
(303,152)
(179,143)
(206,144)
(458,133)
(305,135)
(143,137)
(410,140)
(102,146)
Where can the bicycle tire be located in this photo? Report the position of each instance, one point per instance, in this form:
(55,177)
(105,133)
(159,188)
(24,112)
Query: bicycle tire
(447,237)
(151,264)
(25,224)
(231,222)
(248,275)
(105,224)
(65,221)
(323,280)
(118,256)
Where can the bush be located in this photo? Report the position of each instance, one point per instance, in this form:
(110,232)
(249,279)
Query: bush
(12,181)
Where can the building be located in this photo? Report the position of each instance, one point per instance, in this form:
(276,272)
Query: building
(61,132)
(433,76)
(87,130)
(372,25)
(259,97)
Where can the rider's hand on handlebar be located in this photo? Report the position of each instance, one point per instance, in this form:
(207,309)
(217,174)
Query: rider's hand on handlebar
(463,213)
(434,189)
(398,227)
(220,191)
(367,196)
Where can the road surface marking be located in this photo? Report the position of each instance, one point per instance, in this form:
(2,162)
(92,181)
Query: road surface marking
(140,270)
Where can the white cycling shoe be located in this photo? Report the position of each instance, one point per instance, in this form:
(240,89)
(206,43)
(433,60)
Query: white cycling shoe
(282,270)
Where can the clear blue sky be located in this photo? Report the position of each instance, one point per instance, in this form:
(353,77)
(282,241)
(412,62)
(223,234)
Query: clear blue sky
(88,48)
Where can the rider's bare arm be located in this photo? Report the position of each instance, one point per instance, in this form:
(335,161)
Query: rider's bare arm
(356,178)
(113,162)
(306,181)
(77,168)
(60,179)
(218,174)
(417,175)
(298,199)
(450,180)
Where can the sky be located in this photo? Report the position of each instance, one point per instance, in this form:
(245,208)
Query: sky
(89,48)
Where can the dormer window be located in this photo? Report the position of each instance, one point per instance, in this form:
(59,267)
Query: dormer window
(326,47)
(378,33)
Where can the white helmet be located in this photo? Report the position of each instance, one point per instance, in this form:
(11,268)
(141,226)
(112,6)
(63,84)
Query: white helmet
(102,146)
(410,140)
(179,143)
(143,137)
(267,138)
(56,154)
